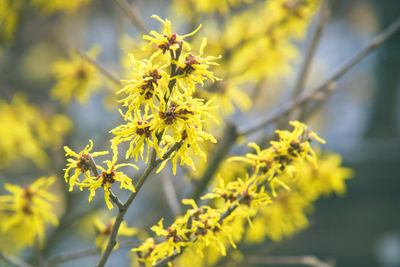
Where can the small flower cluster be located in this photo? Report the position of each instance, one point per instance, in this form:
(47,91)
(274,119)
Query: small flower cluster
(162,112)
(25,213)
(288,213)
(240,199)
(84,164)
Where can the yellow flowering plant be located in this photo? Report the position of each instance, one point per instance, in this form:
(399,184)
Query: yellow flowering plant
(186,109)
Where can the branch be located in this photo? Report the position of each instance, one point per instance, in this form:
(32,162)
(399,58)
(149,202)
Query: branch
(13,261)
(123,209)
(285,260)
(132,13)
(170,194)
(72,256)
(316,37)
(309,95)
(69,256)
(99,66)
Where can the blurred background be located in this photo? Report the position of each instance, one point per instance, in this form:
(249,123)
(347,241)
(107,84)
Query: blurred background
(360,120)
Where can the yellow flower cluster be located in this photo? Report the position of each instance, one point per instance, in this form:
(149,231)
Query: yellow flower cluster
(26,212)
(84,164)
(10,10)
(240,199)
(76,78)
(256,42)
(288,213)
(26,131)
(162,112)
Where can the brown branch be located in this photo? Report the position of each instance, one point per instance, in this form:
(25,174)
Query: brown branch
(133,14)
(316,37)
(308,95)
(13,261)
(69,256)
(286,260)
(99,66)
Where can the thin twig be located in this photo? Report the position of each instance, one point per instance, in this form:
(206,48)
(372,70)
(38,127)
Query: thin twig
(316,37)
(13,261)
(133,15)
(308,95)
(72,256)
(69,256)
(285,260)
(99,66)
(170,194)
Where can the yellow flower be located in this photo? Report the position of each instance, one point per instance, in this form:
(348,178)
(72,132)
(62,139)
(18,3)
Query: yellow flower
(194,69)
(138,131)
(27,211)
(82,164)
(184,118)
(168,41)
(103,232)
(146,86)
(76,78)
(109,177)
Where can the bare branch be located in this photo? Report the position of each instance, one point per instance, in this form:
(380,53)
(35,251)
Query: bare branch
(170,194)
(13,261)
(69,256)
(307,95)
(316,37)
(133,14)
(99,66)
(286,260)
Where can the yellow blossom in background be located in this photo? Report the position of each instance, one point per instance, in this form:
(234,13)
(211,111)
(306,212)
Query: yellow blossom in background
(82,165)
(103,232)
(26,212)
(192,7)
(76,78)
(9,16)
(27,132)
(53,6)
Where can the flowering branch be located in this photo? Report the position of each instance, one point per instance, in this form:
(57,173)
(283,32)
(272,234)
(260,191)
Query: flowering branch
(122,209)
